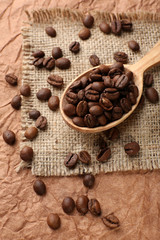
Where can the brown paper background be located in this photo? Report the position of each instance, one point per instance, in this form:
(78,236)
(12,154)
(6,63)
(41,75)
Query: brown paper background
(133,197)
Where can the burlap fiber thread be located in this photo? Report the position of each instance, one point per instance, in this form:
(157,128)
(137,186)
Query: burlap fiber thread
(52,145)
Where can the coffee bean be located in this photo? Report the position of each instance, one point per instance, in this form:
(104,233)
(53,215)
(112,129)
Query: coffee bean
(25,90)
(72,97)
(57,52)
(121,57)
(38,62)
(108,82)
(105,103)
(90,121)
(82,108)
(98,86)
(133,88)
(69,110)
(53,221)
(88,180)
(129,74)
(55,80)
(34,114)
(101,142)
(68,205)
(39,187)
(92,95)
(125,104)
(84,157)
(126,25)
(104,154)
(111,93)
(81,95)
(88,21)
(79,121)
(31,133)
(16,102)
(96,110)
(11,79)
(94,207)
(105,27)
(95,77)
(133,45)
(9,137)
(74,47)
(132,148)
(26,154)
(117,113)
(84,33)
(71,160)
(38,54)
(111,221)
(91,104)
(41,122)
(114,72)
(84,81)
(148,80)
(112,134)
(82,204)
(132,99)
(122,82)
(116,27)
(104,69)
(94,60)
(63,63)
(43,94)
(49,63)
(152,95)
(108,115)
(102,120)
(117,65)
(50,31)
(76,85)
(53,103)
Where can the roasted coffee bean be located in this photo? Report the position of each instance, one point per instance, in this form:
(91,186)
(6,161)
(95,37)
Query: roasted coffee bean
(84,81)
(38,62)
(108,82)
(79,121)
(63,63)
(102,120)
(71,160)
(16,102)
(9,137)
(74,47)
(117,113)
(105,27)
(108,115)
(112,134)
(88,180)
(133,88)
(129,74)
(122,82)
(82,204)
(49,63)
(84,33)
(53,103)
(68,205)
(152,95)
(121,57)
(69,110)
(53,221)
(91,104)
(26,154)
(57,52)
(25,90)
(148,80)
(104,154)
(133,45)
(92,95)
(104,69)
(39,187)
(34,114)
(82,108)
(132,148)
(72,97)
(101,142)
(96,110)
(90,121)
(11,79)
(125,104)
(38,54)
(84,157)
(111,93)
(94,207)
(116,27)
(126,25)
(105,102)
(55,80)
(31,133)
(131,98)
(88,20)
(111,221)
(117,65)
(41,122)
(81,95)
(43,94)
(76,84)
(94,60)
(114,72)
(88,87)
(50,31)
(98,86)
(95,77)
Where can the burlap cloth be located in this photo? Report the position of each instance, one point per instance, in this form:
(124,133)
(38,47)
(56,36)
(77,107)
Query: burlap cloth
(52,145)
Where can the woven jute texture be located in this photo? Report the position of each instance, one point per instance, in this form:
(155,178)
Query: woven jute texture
(52,145)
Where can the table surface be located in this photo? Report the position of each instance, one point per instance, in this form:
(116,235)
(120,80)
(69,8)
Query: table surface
(133,197)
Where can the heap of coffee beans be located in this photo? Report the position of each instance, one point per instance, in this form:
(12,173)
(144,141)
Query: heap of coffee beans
(101,96)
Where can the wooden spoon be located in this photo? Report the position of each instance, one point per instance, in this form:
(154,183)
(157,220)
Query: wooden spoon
(150,59)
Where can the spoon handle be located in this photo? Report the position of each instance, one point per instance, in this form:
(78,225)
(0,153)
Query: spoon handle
(149,60)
